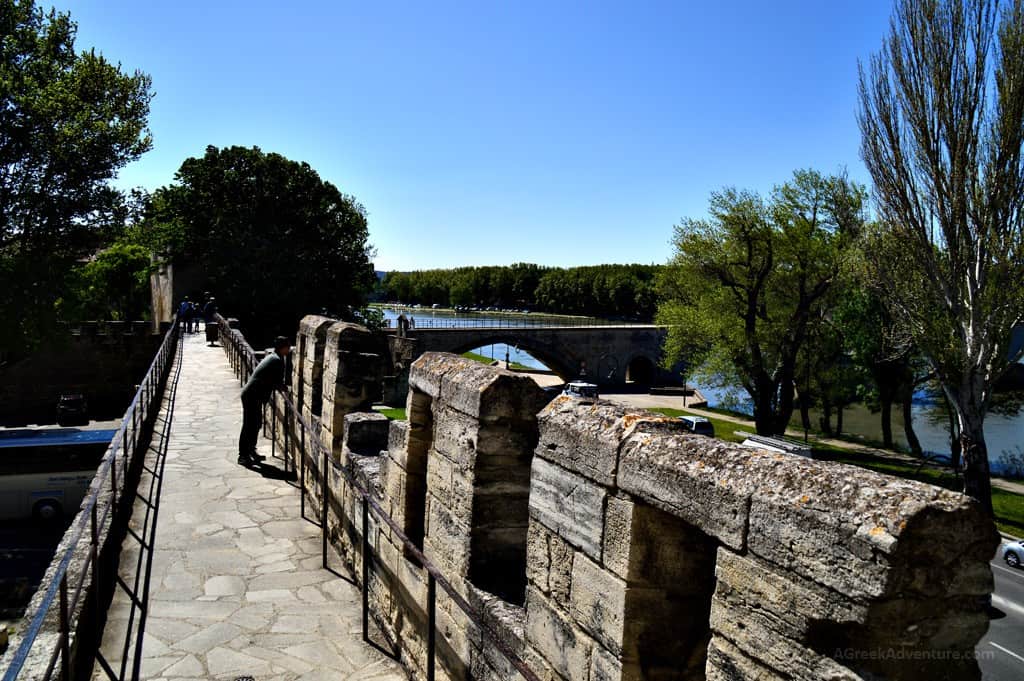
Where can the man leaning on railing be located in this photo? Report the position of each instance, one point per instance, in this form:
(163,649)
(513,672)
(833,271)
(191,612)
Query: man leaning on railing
(266,378)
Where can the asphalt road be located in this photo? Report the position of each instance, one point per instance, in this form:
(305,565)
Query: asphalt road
(1001,651)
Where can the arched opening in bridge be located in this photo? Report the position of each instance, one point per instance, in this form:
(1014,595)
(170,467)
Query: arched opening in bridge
(640,370)
(517,357)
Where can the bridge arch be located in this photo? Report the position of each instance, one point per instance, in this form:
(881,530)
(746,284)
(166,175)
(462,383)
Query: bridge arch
(553,358)
(641,370)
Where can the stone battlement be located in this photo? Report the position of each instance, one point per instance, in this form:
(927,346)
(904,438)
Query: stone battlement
(602,543)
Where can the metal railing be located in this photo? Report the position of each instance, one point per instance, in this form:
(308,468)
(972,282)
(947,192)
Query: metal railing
(423,319)
(242,359)
(65,591)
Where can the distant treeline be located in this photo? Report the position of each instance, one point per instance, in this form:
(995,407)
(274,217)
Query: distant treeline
(626,291)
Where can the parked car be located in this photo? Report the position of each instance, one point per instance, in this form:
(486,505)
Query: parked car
(580,389)
(698,425)
(1013,553)
(72,410)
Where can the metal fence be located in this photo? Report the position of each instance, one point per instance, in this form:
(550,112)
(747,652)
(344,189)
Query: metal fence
(243,360)
(99,511)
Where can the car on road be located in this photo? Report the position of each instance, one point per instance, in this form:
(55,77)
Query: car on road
(1013,553)
(698,425)
(581,389)
(72,410)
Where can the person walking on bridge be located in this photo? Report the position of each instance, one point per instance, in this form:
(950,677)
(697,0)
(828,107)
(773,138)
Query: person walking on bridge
(268,377)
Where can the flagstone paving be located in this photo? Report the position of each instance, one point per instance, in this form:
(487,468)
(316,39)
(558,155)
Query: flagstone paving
(237,586)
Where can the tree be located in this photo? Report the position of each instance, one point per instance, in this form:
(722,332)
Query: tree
(273,239)
(113,285)
(68,121)
(942,123)
(745,285)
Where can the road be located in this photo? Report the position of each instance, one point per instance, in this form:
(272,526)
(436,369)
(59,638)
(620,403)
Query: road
(1001,651)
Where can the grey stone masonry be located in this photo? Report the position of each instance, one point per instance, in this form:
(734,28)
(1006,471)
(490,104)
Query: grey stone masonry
(601,543)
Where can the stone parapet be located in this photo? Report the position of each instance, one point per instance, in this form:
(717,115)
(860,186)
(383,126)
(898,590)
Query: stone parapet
(602,543)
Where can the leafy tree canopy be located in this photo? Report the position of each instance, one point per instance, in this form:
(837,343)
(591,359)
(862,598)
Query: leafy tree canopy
(68,121)
(274,240)
(746,285)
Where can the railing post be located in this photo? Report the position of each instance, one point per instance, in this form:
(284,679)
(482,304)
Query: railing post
(273,425)
(94,554)
(323,507)
(65,631)
(431,624)
(302,469)
(366,570)
(113,489)
(288,421)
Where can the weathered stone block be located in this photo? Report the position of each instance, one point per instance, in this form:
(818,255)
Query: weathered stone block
(564,645)
(598,603)
(569,505)
(618,535)
(604,666)
(704,481)
(447,539)
(366,432)
(398,441)
(451,486)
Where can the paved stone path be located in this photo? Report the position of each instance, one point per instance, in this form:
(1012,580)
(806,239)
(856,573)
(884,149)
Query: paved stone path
(237,585)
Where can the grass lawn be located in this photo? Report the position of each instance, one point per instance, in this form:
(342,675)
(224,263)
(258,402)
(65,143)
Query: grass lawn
(487,360)
(723,429)
(395,414)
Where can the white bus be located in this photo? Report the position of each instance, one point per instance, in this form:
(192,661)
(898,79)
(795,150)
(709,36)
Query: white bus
(45,473)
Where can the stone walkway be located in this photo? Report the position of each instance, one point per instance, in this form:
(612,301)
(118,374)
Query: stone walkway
(237,585)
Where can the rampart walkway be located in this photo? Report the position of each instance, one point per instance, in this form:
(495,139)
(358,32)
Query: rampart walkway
(237,586)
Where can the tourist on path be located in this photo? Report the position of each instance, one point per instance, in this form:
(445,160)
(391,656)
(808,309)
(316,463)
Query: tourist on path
(268,377)
(209,316)
(185,314)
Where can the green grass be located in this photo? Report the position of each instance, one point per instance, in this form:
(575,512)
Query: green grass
(723,429)
(395,414)
(487,360)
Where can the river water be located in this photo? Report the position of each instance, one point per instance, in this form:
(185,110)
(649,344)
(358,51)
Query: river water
(1004,434)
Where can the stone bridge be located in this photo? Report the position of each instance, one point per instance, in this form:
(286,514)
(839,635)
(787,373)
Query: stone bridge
(606,355)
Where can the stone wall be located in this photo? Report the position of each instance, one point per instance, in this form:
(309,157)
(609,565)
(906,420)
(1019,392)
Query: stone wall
(102,360)
(602,543)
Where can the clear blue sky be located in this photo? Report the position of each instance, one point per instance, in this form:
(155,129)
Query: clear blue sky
(490,133)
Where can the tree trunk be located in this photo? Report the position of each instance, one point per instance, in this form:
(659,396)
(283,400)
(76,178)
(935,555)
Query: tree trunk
(839,420)
(908,422)
(764,401)
(786,402)
(954,438)
(887,421)
(977,477)
(805,410)
(826,417)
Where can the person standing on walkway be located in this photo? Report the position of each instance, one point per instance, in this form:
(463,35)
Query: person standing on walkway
(209,316)
(185,314)
(268,377)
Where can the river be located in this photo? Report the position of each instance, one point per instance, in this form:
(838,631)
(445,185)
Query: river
(1004,434)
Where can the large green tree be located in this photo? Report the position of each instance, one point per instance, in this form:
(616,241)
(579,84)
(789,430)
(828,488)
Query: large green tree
(273,239)
(942,122)
(68,121)
(745,286)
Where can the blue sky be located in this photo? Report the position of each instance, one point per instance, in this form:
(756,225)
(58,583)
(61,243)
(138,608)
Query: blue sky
(492,133)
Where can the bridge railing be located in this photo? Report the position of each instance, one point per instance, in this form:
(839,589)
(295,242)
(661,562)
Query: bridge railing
(425,320)
(243,360)
(78,570)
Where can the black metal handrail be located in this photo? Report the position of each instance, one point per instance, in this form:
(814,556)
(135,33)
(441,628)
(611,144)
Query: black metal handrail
(138,411)
(242,358)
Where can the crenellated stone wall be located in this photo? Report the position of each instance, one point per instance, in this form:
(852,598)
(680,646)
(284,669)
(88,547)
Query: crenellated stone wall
(601,543)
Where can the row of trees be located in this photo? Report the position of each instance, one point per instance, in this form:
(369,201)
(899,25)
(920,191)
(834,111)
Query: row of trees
(600,290)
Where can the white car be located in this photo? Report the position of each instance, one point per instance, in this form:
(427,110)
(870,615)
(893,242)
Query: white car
(580,389)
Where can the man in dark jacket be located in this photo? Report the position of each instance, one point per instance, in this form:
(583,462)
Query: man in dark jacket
(268,377)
